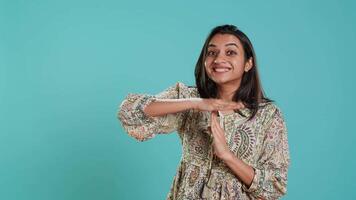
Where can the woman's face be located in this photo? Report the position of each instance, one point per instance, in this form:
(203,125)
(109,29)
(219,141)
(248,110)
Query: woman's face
(225,62)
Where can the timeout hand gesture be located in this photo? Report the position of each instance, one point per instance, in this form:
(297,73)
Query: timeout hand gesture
(203,104)
(221,149)
(220,146)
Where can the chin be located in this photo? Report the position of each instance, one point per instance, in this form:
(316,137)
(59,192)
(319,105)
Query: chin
(220,81)
(223,81)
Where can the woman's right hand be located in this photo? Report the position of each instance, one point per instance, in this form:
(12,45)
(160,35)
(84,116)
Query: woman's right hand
(204,104)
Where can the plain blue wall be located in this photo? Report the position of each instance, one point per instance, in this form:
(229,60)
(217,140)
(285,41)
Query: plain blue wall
(65,66)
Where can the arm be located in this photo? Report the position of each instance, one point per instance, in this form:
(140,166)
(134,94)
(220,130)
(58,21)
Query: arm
(169,106)
(142,116)
(242,170)
(141,125)
(268,179)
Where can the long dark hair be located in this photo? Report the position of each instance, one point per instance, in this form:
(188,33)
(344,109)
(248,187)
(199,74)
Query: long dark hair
(250,91)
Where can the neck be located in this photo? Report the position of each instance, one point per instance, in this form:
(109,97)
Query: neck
(227,91)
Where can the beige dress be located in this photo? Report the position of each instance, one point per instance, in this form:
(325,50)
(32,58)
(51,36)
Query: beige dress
(261,143)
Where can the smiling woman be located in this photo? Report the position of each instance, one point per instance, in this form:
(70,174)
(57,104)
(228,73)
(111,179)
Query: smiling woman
(234,138)
(225,55)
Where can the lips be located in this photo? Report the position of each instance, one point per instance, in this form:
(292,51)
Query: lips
(221,69)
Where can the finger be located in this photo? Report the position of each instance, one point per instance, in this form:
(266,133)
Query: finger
(220,101)
(217,131)
(242,105)
(230,105)
(235,106)
(214,132)
(213,117)
(218,136)
(213,120)
(222,104)
(219,128)
(214,129)
(225,103)
(213,114)
(215,126)
(216,106)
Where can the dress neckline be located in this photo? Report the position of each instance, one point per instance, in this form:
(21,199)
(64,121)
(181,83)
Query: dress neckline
(244,111)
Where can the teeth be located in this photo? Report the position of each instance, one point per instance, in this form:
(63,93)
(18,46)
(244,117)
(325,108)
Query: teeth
(221,69)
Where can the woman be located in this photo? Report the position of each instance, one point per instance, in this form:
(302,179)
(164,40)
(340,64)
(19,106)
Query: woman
(234,138)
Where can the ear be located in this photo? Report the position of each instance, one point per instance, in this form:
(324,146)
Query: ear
(248,64)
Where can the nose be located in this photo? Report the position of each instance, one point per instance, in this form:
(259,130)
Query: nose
(219,59)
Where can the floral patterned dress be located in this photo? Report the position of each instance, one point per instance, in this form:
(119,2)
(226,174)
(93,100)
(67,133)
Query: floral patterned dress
(260,142)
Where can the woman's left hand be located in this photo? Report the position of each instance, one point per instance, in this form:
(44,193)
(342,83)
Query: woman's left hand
(221,149)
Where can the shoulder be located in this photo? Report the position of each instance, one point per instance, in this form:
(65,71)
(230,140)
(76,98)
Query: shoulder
(178,90)
(269,111)
(268,107)
(186,91)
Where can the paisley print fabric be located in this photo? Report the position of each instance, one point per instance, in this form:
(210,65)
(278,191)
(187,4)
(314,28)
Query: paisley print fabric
(260,142)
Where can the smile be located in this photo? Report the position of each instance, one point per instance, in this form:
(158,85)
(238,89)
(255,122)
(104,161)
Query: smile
(221,69)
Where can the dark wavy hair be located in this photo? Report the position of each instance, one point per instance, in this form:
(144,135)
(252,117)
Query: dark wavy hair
(250,91)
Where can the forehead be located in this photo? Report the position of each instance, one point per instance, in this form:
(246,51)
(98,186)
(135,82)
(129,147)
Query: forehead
(220,40)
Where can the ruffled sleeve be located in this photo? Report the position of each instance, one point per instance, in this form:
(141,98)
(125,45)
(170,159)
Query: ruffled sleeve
(270,180)
(143,127)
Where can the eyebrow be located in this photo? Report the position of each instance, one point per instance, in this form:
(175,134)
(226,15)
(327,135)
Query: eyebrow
(228,44)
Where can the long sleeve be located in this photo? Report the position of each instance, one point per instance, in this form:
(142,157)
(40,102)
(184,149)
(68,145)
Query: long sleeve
(270,180)
(143,127)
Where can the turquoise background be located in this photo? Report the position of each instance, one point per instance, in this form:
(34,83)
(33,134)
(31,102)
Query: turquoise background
(65,66)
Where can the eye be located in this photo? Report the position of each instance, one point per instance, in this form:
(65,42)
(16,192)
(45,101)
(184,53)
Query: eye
(211,53)
(231,52)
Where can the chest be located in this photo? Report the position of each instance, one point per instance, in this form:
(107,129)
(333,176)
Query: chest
(242,136)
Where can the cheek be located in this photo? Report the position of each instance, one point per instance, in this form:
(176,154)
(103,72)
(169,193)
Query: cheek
(207,63)
(238,63)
